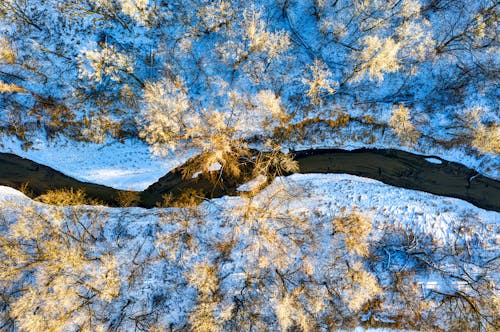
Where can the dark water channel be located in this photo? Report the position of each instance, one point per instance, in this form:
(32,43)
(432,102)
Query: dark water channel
(393,167)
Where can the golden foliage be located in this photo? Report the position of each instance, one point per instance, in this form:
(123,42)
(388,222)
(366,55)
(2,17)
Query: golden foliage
(487,138)
(64,197)
(25,189)
(274,163)
(215,15)
(170,120)
(66,275)
(401,124)
(187,198)
(259,36)
(355,228)
(364,287)
(321,82)
(96,65)
(7,55)
(203,277)
(128,198)
(164,119)
(379,56)
(5,87)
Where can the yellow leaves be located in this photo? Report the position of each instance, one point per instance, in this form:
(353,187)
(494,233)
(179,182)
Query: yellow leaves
(5,88)
(355,228)
(95,65)
(308,267)
(480,29)
(400,122)
(137,9)
(48,307)
(274,163)
(292,312)
(251,45)
(253,114)
(364,287)
(169,120)
(7,55)
(269,234)
(284,312)
(255,29)
(260,38)
(320,82)
(204,278)
(55,247)
(166,95)
(271,106)
(128,198)
(487,138)
(415,39)
(483,26)
(202,318)
(410,7)
(165,115)
(288,164)
(108,280)
(215,14)
(23,229)
(219,143)
(379,56)
(98,127)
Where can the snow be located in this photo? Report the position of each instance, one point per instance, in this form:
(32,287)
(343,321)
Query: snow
(434,161)
(134,233)
(253,184)
(361,329)
(423,212)
(128,165)
(8,194)
(201,67)
(195,175)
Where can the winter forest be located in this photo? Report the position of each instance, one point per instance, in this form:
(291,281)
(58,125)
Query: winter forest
(174,151)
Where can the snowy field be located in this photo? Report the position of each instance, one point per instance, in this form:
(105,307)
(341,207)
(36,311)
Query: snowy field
(128,166)
(287,227)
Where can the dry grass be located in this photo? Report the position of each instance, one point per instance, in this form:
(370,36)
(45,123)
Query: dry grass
(64,197)
(128,198)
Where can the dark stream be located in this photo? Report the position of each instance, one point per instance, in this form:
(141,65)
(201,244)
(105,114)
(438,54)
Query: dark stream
(393,167)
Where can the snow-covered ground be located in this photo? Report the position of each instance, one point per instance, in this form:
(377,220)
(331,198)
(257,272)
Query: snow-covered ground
(128,165)
(391,206)
(135,235)
(423,212)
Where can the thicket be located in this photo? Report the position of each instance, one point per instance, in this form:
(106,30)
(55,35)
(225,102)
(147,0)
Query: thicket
(252,263)
(216,76)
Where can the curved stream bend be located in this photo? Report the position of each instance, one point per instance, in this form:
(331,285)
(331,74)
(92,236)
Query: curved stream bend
(393,167)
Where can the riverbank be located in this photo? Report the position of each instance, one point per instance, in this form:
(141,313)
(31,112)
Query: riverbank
(393,167)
